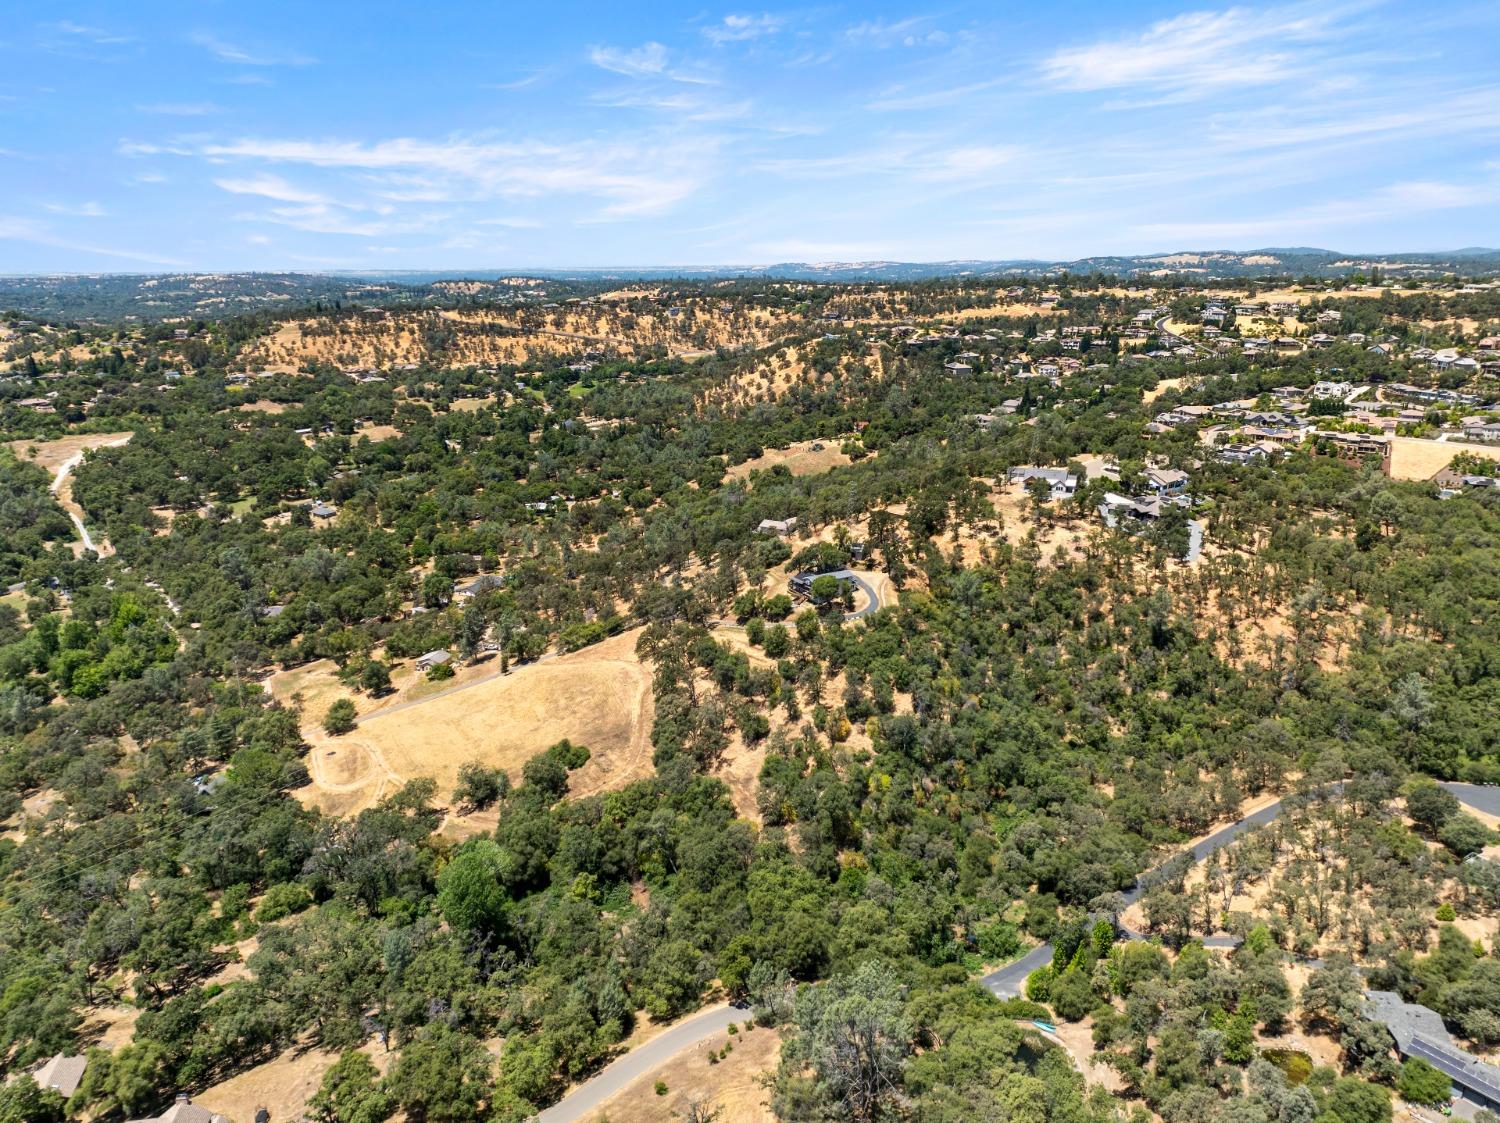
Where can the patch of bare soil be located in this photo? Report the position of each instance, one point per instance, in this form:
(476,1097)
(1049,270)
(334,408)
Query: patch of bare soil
(804,458)
(732,1085)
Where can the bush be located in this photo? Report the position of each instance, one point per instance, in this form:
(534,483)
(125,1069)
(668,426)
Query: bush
(999,942)
(1071,995)
(479,786)
(340,717)
(1420,1083)
(777,641)
(1294,1064)
(778,607)
(1039,983)
(439,672)
(1445,913)
(281,901)
(661,1087)
(1023,1008)
(1465,835)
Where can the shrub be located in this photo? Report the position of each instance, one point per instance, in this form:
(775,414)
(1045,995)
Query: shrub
(1420,1083)
(340,717)
(661,1087)
(281,901)
(999,941)
(1039,983)
(479,786)
(1445,913)
(1295,1065)
(1071,996)
(439,672)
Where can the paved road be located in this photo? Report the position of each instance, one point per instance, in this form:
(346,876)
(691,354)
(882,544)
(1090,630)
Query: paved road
(1010,979)
(1006,981)
(587,1097)
(1481,797)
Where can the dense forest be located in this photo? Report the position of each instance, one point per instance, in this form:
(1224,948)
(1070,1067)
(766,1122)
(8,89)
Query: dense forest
(984,764)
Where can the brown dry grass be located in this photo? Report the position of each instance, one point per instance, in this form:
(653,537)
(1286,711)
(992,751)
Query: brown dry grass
(733,1085)
(52,455)
(262,406)
(800,459)
(1415,459)
(283,1085)
(599,697)
(494,336)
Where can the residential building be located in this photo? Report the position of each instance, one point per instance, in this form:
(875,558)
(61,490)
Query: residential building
(185,1111)
(1166,481)
(438,658)
(1061,482)
(62,1074)
(783,528)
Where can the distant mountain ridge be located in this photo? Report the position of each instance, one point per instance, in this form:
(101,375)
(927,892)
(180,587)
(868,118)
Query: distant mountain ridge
(1297,261)
(156,297)
(1208,264)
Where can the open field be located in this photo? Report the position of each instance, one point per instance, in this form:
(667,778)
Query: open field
(1415,459)
(1163,386)
(262,406)
(282,1085)
(60,457)
(599,697)
(800,459)
(52,455)
(732,1085)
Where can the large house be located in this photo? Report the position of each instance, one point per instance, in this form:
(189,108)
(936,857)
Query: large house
(1166,481)
(1419,1032)
(1060,481)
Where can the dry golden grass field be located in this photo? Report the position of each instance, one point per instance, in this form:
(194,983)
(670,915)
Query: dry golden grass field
(599,697)
(800,459)
(1415,459)
(52,455)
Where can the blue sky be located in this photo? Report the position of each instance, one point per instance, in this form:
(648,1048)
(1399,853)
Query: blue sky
(269,135)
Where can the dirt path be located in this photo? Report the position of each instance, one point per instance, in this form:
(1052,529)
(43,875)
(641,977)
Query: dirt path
(60,457)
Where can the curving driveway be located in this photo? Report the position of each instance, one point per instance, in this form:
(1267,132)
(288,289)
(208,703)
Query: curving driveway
(1006,981)
(587,1097)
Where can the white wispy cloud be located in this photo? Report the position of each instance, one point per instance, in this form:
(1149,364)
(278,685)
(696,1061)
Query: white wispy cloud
(915,31)
(1199,51)
(17,229)
(1399,200)
(246,56)
(270,187)
(98,36)
(737,28)
(690,106)
(649,60)
(630,177)
(77,210)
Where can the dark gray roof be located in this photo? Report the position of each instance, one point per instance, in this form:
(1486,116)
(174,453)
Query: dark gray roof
(1405,1020)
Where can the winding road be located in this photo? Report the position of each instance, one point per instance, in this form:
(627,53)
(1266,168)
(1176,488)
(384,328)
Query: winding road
(1005,982)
